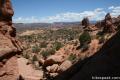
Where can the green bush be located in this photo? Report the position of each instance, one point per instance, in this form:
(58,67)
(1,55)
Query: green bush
(43,45)
(34,58)
(47,52)
(35,49)
(57,45)
(85,38)
(25,55)
(72,57)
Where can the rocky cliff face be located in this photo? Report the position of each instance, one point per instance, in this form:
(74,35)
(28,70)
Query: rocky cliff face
(9,46)
(8,43)
(108,24)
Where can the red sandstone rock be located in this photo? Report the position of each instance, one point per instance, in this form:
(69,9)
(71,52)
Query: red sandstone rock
(53,60)
(65,65)
(53,69)
(108,24)
(8,43)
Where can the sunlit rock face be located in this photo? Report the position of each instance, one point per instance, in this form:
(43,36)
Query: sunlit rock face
(9,46)
(108,24)
(8,43)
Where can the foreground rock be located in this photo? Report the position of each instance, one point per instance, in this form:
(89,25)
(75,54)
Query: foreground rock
(9,46)
(27,71)
(9,70)
(53,59)
(65,65)
(8,43)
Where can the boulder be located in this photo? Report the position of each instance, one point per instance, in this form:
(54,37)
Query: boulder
(53,59)
(53,69)
(53,74)
(9,45)
(65,65)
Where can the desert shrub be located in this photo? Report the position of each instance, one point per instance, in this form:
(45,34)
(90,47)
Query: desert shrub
(47,53)
(35,49)
(28,38)
(71,37)
(25,55)
(34,58)
(43,44)
(85,47)
(84,38)
(72,57)
(57,45)
(51,51)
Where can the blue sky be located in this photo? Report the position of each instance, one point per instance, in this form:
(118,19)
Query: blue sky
(28,11)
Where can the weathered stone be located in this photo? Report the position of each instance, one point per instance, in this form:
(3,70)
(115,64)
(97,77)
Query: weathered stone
(53,74)
(53,60)
(8,43)
(2,73)
(65,65)
(52,69)
(85,22)
(108,24)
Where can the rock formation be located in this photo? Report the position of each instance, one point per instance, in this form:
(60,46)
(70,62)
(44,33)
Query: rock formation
(85,22)
(108,24)
(8,43)
(116,22)
(9,46)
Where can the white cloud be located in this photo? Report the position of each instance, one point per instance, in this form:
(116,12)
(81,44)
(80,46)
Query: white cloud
(72,16)
(25,20)
(111,7)
(115,11)
(96,14)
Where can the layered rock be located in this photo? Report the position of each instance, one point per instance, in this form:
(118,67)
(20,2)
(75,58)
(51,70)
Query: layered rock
(108,24)
(116,22)
(8,43)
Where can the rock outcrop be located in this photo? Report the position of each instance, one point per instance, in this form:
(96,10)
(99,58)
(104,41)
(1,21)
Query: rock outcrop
(85,22)
(116,22)
(102,64)
(8,43)
(108,24)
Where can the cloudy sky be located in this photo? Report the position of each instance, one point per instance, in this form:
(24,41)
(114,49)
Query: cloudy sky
(30,11)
